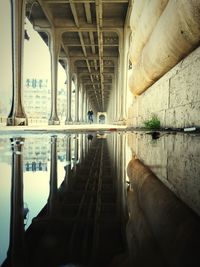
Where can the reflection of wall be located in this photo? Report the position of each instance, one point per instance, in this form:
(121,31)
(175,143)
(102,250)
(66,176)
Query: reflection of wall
(175,159)
(161,231)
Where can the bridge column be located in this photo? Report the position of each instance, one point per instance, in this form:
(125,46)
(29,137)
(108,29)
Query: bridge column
(126,46)
(120,80)
(17,114)
(118,95)
(115,94)
(77,100)
(84,106)
(54,52)
(68,69)
(16,252)
(82,103)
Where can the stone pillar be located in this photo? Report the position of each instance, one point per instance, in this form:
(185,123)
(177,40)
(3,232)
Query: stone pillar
(121,77)
(53,178)
(68,69)
(126,46)
(87,104)
(17,114)
(77,100)
(16,252)
(114,104)
(54,52)
(82,104)
(117,111)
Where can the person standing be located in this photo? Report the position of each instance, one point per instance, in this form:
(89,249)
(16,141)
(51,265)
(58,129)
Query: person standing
(90,116)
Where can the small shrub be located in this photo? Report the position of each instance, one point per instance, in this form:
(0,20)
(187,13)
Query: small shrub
(153,123)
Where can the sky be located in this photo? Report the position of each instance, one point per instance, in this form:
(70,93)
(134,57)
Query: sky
(36,55)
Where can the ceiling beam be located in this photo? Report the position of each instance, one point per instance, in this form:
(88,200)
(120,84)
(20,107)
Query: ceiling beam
(99,11)
(84,1)
(74,12)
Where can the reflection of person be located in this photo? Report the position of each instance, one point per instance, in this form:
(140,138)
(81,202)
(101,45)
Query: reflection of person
(90,116)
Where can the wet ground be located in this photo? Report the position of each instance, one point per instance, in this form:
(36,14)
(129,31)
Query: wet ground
(66,198)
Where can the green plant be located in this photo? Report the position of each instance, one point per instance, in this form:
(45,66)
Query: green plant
(153,123)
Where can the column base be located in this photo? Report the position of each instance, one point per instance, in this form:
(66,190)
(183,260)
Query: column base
(16,121)
(68,122)
(53,122)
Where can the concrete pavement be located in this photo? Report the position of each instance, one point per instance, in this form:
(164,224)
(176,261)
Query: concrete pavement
(61,128)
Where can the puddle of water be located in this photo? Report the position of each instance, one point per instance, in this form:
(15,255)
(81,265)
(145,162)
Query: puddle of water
(174,159)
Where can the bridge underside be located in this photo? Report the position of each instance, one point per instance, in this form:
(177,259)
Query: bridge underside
(89,35)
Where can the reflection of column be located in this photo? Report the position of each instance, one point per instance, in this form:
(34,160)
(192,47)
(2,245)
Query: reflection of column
(84,146)
(17,114)
(53,177)
(68,160)
(81,148)
(17,245)
(54,51)
(69,91)
(77,148)
(76,152)
(119,172)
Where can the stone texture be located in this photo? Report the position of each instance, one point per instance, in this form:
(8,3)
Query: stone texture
(175,98)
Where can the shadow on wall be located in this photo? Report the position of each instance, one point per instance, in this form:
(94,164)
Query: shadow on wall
(162,230)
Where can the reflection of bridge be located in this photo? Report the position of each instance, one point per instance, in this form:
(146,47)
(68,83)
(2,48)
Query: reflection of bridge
(82,221)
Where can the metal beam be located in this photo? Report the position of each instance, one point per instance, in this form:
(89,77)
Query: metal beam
(74,12)
(84,1)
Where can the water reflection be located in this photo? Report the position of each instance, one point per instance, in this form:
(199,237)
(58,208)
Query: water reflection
(175,159)
(16,249)
(80,214)
(69,196)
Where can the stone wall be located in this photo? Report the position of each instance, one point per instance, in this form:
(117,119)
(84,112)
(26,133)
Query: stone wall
(174,98)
